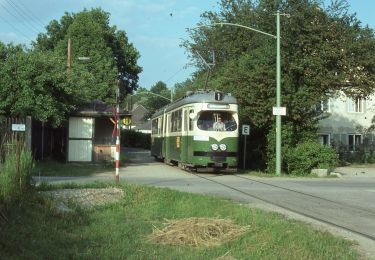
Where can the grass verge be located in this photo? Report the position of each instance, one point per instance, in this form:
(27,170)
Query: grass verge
(119,231)
(54,168)
(49,167)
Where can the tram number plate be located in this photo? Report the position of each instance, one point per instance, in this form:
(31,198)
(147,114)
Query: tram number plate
(245,129)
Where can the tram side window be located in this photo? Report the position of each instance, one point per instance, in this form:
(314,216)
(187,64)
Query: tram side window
(173,123)
(160,126)
(185,119)
(155,126)
(191,122)
(176,121)
(168,124)
(179,120)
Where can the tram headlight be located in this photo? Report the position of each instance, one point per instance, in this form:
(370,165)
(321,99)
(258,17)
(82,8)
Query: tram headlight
(214,147)
(223,147)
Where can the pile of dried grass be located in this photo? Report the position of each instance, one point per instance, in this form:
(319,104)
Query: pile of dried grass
(197,232)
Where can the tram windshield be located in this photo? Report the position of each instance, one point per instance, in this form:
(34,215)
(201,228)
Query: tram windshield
(216,121)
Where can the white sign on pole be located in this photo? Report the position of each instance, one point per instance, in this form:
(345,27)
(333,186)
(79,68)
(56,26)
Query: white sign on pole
(245,129)
(18,127)
(279,111)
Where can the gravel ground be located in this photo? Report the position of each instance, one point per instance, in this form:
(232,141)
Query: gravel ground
(63,199)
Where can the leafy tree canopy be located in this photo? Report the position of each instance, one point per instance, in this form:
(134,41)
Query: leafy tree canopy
(92,36)
(157,97)
(324,50)
(37,82)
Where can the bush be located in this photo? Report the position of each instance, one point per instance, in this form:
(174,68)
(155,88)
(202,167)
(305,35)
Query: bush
(291,135)
(300,160)
(14,172)
(132,138)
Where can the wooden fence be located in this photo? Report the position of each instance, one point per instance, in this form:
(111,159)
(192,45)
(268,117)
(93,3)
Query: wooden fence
(15,128)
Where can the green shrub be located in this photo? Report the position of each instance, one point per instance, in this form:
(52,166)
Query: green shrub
(291,135)
(132,138)
(14,173)
(300,160)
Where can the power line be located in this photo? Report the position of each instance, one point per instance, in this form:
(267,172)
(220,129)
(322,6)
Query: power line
(175,74)
(183,67)
(15,28)
(17,15)
(29,13)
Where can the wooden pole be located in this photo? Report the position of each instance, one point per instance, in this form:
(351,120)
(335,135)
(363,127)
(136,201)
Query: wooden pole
(69,59)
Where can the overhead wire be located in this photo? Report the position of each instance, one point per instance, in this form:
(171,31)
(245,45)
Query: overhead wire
(17,16)
(24,9)
(15,28)
(22,18)
(173,75)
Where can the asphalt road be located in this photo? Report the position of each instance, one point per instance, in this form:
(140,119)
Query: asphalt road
(344,206)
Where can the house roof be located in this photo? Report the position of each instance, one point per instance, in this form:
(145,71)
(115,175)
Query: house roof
(98,108)
(138,114)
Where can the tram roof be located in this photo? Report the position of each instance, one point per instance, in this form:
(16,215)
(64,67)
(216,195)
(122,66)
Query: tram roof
(200,96)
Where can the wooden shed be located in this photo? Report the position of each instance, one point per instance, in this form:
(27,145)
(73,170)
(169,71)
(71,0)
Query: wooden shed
(90,135)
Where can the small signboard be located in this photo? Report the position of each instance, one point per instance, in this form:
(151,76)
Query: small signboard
(245,130)
(126,121)
(279,111)
(18,127)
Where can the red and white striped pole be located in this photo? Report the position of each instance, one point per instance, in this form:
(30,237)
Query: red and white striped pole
(117,116)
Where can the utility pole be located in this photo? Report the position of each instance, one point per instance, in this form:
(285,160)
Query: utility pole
(69,60)
(278,96)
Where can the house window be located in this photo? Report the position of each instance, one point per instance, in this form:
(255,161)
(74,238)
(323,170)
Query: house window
(354,140)
(324,139)
(324,106)
(355,105)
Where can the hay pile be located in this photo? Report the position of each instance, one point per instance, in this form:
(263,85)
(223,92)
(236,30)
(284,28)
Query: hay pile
(197,232)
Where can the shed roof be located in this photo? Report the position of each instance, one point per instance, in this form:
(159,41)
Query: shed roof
(98,108)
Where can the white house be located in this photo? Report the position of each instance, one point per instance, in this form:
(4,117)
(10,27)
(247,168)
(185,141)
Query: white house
(347,122)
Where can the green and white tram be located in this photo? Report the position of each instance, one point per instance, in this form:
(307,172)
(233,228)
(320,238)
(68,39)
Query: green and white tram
(199,130)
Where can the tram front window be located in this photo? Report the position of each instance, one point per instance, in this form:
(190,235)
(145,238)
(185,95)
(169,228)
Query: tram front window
(216,121)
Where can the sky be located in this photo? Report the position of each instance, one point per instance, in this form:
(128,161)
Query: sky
(156,28)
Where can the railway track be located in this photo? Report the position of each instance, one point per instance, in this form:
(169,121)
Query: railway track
(317,200)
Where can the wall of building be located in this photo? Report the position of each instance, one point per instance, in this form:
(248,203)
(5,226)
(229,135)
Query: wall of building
(348,121)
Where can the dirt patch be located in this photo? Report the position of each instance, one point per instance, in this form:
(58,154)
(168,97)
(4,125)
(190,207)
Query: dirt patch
(84,198)
(197,232)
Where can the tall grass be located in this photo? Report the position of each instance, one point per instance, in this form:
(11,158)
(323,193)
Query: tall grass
(15,167)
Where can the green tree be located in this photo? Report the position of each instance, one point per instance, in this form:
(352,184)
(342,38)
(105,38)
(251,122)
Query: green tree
(155,101)
(37,82)
(108,48)
(324,50)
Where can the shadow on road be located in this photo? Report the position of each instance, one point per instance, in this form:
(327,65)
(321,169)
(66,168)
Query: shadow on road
(137,156)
